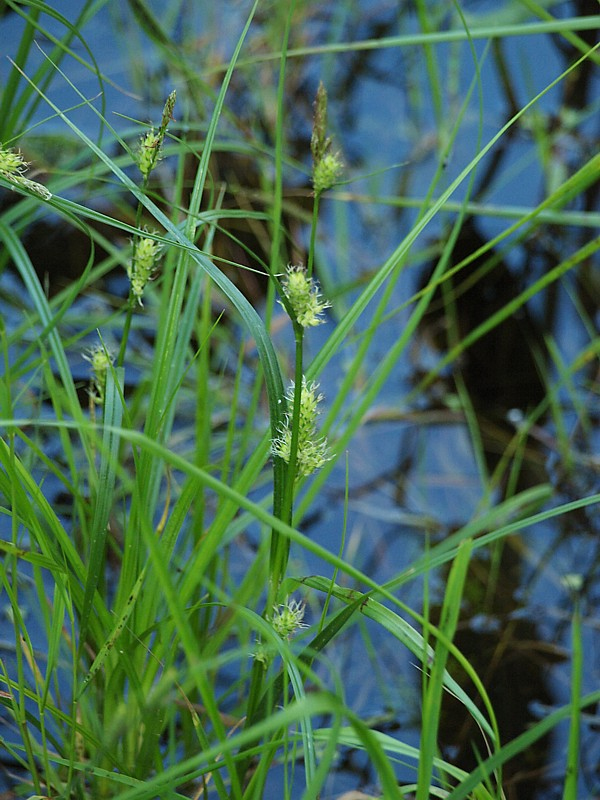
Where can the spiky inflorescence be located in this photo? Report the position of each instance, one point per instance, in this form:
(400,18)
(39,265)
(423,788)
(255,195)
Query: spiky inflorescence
(13,167)
(151,144)
(326,172)
(142,264)
(327,166)
(319,141)
(312,450)
(101,360)
(149,154)
(287,618)
(11,162)
(304,296)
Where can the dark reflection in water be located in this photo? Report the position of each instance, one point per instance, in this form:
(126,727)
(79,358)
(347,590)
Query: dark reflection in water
(507,653)
(500,373)
(501,370)
(504,374)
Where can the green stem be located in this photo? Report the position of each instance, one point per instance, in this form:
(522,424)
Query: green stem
(313,236)
(573,749)
(288,504)
(280,546)
(131,299)
(126,328)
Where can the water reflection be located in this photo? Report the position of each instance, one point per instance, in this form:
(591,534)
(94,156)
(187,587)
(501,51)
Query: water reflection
(502,370)
(505,648)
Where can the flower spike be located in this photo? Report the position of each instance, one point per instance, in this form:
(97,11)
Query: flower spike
(141,266)
(304,296)
(13,168)
(312,452)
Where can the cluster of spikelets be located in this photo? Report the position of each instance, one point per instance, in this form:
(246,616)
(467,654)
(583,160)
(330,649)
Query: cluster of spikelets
(327,165)
(150,150)
(13,168)
(145,249)
(304,297)
(101,361)
(286,620)
(312,449)
(145,252)
(303,300)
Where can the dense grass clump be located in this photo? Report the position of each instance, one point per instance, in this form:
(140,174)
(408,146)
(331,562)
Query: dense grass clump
(192,379)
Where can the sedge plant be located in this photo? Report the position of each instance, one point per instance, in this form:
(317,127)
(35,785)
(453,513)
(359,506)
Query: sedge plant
(161,643)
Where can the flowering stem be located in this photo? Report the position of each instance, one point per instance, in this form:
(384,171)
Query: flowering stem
(291,471)
(131,299)
(280,546)
(297,442)
(148,157)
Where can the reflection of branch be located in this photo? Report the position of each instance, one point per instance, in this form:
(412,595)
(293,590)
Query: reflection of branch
(577,84)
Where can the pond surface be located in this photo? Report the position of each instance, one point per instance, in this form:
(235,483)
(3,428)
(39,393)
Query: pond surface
(414,474)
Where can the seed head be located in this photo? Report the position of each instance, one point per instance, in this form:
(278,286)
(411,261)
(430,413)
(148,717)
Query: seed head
(319,142)
(151,144)
(287,618)
(304,296)
(149,152)
(327,166)
(12,162)
(100,359)
(263,654)
(13,167)
(141,266)
(326,172)
(312,451)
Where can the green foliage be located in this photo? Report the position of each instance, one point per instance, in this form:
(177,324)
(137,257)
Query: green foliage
(161,656)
